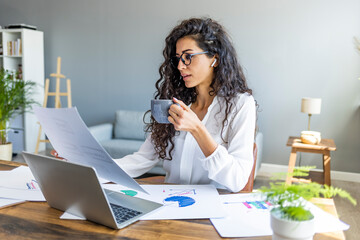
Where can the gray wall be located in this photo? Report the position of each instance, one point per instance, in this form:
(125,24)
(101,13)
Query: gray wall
(111,50)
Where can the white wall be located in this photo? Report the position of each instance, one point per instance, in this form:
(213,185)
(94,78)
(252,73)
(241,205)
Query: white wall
(290,49)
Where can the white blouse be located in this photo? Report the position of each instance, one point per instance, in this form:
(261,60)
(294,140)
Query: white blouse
(229,166)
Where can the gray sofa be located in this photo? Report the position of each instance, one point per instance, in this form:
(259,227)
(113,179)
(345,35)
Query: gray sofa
(127,134)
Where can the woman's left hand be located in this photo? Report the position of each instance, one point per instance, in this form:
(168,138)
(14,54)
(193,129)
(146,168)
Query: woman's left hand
(182,117)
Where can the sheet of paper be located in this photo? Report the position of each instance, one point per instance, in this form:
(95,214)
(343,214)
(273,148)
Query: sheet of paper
(249,216)
(180,201)
(20,184)
(325,222)
(5,202)
(19,178)
(72,139)
(21,194)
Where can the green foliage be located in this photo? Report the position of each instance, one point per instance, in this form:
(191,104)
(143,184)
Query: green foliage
(295,213)
(289,199)
(302,171)
(14,99)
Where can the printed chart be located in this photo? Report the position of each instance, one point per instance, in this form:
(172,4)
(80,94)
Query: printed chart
(180,201)
(248,215)
(257,205)
(179,197)
(251,205)
(32,185)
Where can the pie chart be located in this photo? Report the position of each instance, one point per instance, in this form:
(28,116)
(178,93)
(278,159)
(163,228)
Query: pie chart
(182,201)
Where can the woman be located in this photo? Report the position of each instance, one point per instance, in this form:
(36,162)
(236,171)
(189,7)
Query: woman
(211,135)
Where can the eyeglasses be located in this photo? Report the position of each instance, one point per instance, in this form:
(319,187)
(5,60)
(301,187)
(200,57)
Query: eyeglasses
(185,58)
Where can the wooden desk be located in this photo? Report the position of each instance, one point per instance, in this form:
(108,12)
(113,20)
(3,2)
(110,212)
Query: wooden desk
(36,220)
(324,148)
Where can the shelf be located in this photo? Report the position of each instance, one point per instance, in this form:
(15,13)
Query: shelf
(32,64)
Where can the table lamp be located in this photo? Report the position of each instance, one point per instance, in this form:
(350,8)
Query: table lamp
(310,106)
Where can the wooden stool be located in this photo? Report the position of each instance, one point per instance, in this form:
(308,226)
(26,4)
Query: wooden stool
(324,148)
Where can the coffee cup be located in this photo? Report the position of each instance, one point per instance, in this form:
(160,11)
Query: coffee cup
(160,109)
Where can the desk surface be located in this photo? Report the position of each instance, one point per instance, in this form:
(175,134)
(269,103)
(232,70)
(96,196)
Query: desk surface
(36,220)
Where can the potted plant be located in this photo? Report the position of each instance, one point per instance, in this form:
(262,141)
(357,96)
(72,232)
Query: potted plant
(290,218)
(14,100)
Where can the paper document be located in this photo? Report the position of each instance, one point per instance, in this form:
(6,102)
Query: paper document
(20,184)
(73,141)
(180,201)
(20,178)
(30,195)
(249,216)
(5,202)
(325,222)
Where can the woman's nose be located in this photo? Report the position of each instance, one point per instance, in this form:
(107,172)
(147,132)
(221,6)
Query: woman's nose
(181,65)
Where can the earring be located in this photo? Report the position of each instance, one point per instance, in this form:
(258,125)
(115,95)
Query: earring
(212,65)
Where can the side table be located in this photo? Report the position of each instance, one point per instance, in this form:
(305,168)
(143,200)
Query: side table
(324,148)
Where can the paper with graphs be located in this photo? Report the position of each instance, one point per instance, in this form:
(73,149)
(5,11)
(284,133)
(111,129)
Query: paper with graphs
(248,215)
(180,201)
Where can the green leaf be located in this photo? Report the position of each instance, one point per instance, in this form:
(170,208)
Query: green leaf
(14,99)
(297,213)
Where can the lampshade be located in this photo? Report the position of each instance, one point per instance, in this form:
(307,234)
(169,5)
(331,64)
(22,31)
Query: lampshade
(311,105)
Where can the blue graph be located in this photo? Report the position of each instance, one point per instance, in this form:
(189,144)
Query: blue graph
(182,201)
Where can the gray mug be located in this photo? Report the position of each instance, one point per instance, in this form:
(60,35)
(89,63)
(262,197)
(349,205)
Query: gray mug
(160,109)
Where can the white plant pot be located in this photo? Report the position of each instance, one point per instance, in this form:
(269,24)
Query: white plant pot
(6,151)
(284,229)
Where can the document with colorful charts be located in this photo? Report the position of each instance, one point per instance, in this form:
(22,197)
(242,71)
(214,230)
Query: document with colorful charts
(248,215)
(180,201)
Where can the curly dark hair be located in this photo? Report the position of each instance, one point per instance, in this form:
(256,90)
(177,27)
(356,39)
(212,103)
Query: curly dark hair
(228,81)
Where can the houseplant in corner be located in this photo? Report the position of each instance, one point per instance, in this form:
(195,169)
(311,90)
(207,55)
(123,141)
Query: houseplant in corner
(290,217)
(14,100)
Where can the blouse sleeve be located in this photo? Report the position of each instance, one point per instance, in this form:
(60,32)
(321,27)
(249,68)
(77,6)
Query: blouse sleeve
(231,166)
(141,161)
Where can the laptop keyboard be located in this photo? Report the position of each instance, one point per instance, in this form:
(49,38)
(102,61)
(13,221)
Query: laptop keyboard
(123,214)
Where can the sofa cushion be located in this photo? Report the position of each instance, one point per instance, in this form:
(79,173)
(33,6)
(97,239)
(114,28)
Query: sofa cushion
(129,125)
(118,148)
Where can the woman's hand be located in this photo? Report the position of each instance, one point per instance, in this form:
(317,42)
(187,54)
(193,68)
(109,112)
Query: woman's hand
(182,117)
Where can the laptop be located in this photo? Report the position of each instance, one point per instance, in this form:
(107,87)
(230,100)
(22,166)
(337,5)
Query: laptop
(76,189)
